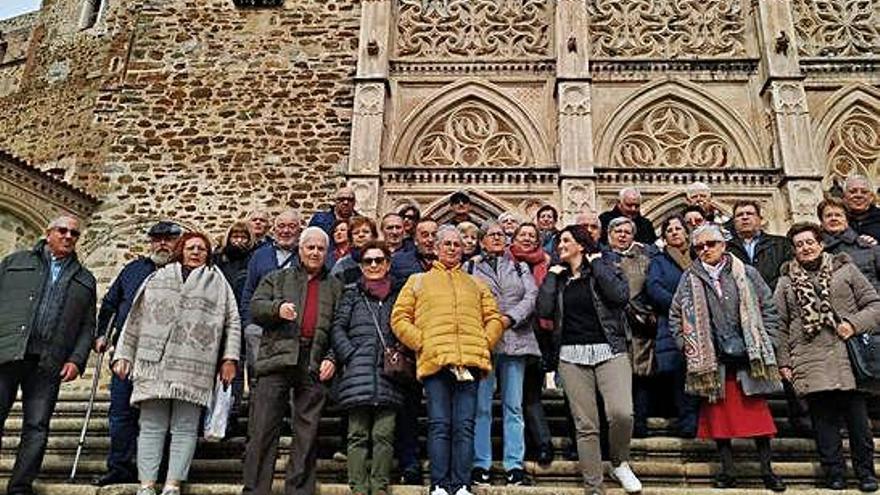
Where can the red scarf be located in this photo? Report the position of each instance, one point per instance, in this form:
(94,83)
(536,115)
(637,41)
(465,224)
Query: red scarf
(379,289)
(537,259)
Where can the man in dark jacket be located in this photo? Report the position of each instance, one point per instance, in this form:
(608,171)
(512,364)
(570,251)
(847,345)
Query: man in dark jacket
(295,306)
(864,216)
(47,319)
(754,247)
(115,305)
(629,204)
(343,209)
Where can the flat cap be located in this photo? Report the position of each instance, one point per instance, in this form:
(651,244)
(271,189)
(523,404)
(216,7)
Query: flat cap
(165,228)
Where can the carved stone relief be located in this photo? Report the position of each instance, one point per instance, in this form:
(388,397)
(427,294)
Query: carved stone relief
(669,134)
(666,28)
(577,195)
(831,28)
(854,144)
(789,98)
(468,29)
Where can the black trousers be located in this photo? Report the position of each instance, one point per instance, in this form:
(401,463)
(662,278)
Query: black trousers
(827,410)
(39,393)
(536,419)
(272,395)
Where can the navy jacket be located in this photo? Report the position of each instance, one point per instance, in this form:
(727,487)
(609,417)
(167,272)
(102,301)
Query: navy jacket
(868,223)
(117,301)
(263,261)
(404,264)
(662,281)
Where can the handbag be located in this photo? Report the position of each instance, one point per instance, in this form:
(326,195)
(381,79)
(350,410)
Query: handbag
(731,346)
(398,365)
(864,356)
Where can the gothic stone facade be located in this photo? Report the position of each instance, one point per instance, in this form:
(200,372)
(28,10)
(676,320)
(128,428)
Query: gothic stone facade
(202,110)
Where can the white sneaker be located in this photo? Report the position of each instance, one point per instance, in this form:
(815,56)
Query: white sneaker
(463,491)
(439,491)
(627,479)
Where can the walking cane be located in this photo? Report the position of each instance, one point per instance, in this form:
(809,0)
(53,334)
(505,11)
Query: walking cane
(95,380)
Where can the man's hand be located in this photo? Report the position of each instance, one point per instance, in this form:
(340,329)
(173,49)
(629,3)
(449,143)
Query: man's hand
(557,269)
(227,371)
(287,311)
(845,330)
(786,373)
(69,372)
(100,345)
(122,368)
(328,368)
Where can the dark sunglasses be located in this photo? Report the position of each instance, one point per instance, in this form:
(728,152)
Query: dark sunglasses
(378,260)
(346,199)
(65,231)
(708,244)
(410,217)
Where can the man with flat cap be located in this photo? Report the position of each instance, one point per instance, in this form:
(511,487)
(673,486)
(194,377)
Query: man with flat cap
(121,466)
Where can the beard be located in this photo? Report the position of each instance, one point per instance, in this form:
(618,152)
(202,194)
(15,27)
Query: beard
(161,258)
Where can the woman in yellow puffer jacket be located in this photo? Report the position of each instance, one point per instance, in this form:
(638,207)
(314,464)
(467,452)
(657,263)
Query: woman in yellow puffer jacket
(452,322)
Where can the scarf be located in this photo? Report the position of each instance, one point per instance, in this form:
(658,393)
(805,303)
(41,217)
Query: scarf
(681,258)
(378,289)
(537,260)
(813,294)
(703,375)
(340,252)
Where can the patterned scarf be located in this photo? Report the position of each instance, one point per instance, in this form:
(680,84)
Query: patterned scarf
(813,294)
(703,376)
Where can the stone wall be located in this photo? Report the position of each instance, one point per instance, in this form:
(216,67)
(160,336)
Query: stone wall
(15,233)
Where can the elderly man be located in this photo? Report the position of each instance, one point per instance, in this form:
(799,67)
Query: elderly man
(699,194)
(111,318)
(590,220)
(766,252)
(456,326)
(460,203)
(258,222)
(629,203)
(393,233)
(864,216)
(47,319)
(295,306)
(343,209)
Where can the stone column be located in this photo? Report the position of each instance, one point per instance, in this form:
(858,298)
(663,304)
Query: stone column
(783,89)
(371,80)
(575,144)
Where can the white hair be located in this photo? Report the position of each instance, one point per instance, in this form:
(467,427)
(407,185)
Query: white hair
(857,178)
(291,212)
(697,187)
(314,232)
(707,228)
(629,191)
(60,221)
(448,229)
(617,222)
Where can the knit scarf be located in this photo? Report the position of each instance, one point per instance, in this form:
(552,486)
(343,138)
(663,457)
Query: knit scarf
(813,294)
(537,260)
(378,289)
(703,376)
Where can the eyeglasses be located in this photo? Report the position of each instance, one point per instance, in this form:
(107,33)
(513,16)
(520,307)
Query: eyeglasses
(706,245)
(65,231)
(496,235)
(346,199)
(378,260)
(410,217)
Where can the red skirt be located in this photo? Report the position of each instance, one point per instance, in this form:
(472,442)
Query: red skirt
(736,416)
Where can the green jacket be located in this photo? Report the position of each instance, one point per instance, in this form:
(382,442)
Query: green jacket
(279,345)
(22,278)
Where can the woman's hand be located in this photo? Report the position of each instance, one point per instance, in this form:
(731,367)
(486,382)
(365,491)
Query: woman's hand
(328,368)
(845,330)
(785,373)
(122,368)
(227,371)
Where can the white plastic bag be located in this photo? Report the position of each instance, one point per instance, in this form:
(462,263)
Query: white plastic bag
(217,414)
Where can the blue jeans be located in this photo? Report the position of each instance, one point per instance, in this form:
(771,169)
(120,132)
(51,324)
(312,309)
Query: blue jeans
(123,428)
(510,371)
(451,409)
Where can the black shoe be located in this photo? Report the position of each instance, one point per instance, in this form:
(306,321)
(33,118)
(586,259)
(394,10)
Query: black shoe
(868,484)
(480,477)
(773,482)
(723,481)
(113,478)
(545,456)
(835,483)
(516,477)
(411,476)
(570,453)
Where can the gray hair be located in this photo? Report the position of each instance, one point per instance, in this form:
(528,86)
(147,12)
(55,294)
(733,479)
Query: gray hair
(617,222)
(697,187)
(465,227)
(291,212)
(488,224)
(629,191)
(707,228)
(447,229)
(59,221)
(314,232)
(856,178)
(508,215)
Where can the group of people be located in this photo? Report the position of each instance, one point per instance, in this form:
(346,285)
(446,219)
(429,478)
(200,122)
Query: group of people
(701,320)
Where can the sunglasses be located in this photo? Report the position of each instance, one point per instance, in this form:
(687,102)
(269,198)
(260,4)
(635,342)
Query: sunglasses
(65,231)
(346,199)
(410,217)
(706,245)
(378,260)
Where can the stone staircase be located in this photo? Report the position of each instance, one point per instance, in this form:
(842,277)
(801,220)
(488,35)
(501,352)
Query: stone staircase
(665,464)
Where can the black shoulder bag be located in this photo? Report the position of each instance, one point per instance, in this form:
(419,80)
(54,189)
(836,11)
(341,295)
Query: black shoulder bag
(397,365)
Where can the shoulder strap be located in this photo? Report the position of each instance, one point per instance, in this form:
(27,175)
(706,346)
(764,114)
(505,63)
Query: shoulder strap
(375,321)
(519,268)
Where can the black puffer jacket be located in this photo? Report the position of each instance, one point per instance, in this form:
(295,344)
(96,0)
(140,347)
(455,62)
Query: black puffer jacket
(359,351)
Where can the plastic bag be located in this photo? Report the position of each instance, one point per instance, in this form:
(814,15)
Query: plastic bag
(217,414)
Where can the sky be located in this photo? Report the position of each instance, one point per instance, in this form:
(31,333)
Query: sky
(12,8)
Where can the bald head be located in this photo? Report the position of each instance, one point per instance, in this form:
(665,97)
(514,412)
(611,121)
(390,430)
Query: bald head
(590,220)
(288,225)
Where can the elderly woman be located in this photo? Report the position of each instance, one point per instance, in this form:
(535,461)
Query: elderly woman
(722,315)
(361,230)
(509,221)
(514,289)
(839,237)
(470,239)
(823,300)
(361,333)
(182,321)
(664,274)
(586,296)
(452,323)
(339,243)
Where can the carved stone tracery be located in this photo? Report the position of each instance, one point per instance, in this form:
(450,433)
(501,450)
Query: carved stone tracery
(833,28)
(468,29)
(854,144)
(666,28)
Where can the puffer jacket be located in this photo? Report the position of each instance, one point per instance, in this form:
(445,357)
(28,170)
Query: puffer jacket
(513,287)
(821,363)
(664,275)
(448,318)
(865,256)
(610,295)
(359,350)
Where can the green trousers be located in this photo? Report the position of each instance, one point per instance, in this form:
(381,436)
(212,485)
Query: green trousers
(366,424)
